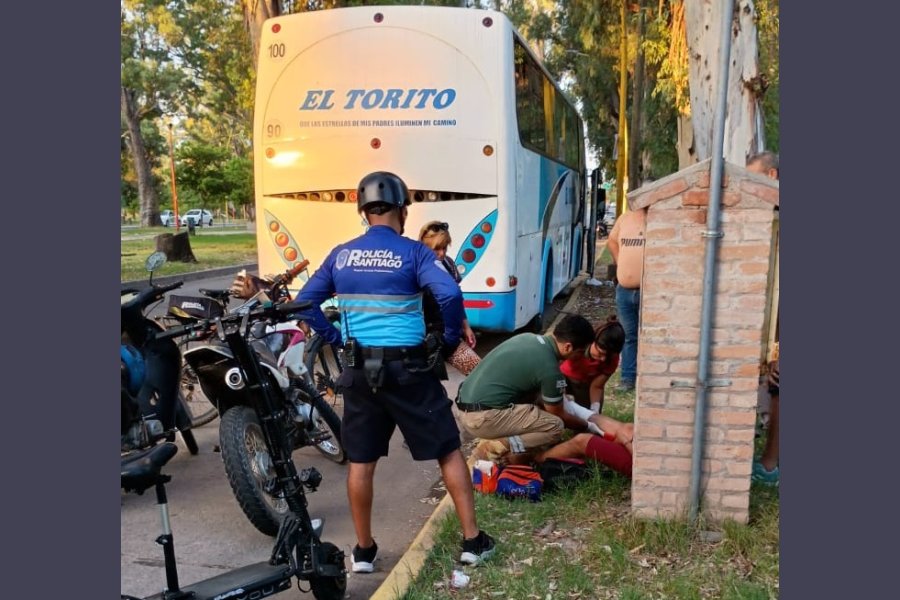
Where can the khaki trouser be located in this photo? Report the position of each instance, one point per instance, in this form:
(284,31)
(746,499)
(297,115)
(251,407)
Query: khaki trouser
(525,425)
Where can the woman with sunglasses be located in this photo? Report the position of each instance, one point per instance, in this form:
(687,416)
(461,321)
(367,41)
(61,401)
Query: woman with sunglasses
(436,235)
(587,374)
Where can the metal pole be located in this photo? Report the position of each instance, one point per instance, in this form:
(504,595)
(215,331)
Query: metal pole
(172,170)
(712,235)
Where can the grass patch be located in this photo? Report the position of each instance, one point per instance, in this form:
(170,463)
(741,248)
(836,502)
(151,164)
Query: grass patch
(211,251)
(583,543)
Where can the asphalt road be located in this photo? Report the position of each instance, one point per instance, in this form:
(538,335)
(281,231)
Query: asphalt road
(212,534)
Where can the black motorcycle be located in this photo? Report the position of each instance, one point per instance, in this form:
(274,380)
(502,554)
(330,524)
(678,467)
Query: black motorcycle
(304,413)
(152,406)
(298,551)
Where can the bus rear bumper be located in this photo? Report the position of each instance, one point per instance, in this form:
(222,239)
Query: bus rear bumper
(491,312)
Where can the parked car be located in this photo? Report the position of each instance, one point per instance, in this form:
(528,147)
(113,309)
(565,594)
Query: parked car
(167,217)
(198,217)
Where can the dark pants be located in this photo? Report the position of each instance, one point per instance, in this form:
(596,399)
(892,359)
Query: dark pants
(416,402)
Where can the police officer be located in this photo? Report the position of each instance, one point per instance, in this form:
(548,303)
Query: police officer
(379,278)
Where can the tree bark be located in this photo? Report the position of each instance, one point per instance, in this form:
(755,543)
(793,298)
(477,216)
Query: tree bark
(637,113)
(687,152)
(177,247)
(149,202)
(255,14)
(703,25)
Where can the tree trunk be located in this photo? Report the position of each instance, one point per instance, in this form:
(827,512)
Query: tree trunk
(255,13)
(687,152)
(703,24)
(177,247)
(149,202)
(637,113)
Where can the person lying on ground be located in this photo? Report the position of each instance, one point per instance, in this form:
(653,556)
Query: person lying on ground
(614,449)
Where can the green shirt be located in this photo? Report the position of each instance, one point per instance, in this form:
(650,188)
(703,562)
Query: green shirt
(515,371)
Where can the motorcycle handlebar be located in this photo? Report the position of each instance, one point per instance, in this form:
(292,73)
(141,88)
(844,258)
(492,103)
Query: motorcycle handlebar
(150,295)
(268,311)
(289,275)
(162,289)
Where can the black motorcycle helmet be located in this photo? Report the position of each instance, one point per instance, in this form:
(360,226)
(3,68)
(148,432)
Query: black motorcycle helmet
(381,187)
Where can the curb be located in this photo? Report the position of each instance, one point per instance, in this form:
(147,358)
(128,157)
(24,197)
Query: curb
(407,568)
(192,276)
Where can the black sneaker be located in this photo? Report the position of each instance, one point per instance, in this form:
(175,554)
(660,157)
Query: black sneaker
(362,560)
(477,549)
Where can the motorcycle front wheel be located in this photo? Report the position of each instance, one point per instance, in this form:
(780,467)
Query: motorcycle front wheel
(250,471)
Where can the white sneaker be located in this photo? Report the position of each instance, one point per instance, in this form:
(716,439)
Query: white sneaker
(362,560)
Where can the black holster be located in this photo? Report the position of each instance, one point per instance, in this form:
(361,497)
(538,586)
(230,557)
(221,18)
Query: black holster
(373,367)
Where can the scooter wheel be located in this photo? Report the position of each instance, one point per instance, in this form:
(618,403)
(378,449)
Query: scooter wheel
(332,587)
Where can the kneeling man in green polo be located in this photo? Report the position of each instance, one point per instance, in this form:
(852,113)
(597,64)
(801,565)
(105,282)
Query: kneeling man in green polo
(513,400)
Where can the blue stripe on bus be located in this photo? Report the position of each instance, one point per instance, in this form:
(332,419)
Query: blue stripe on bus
(500,316)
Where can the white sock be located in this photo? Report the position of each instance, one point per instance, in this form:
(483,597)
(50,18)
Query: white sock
(576,410)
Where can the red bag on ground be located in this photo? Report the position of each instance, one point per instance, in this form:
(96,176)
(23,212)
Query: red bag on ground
(484,479)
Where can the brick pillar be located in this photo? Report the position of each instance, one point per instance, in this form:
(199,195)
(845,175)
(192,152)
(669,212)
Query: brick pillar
(669,336)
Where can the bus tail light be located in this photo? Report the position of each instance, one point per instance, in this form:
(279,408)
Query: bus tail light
(513,281)
(478,303)
(490,281)
(477,241)
(287,248)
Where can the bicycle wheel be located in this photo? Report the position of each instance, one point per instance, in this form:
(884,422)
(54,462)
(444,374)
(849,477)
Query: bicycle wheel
(324,366)
(200,407)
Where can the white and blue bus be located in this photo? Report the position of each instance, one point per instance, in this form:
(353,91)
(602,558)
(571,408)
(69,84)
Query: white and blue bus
(453,101)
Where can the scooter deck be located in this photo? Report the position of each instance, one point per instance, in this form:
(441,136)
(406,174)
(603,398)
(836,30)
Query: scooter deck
(259,580)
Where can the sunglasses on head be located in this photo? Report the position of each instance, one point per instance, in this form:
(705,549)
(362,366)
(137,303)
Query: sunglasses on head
(435,227)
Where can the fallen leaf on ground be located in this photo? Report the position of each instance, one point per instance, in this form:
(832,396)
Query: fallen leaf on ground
(636,548)
(546,529)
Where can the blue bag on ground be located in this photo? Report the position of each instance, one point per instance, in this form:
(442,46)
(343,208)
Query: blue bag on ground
(520,481)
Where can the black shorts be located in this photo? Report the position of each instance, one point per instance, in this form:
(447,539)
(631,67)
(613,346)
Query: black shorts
(415,402)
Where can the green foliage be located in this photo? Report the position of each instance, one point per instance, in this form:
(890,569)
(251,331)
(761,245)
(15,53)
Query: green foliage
(189,62)
(768,25)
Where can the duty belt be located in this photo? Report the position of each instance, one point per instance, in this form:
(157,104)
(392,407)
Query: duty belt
(392,353)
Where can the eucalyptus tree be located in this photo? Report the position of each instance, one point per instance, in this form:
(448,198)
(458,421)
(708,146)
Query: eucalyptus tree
(152,85)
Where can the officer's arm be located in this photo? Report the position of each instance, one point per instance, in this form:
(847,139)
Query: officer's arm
(446,292)
(317,290)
